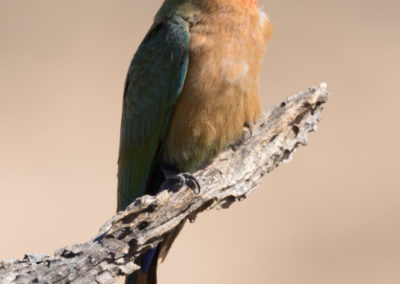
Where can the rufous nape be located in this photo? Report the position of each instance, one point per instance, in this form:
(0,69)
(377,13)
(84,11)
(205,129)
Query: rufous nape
(192,86)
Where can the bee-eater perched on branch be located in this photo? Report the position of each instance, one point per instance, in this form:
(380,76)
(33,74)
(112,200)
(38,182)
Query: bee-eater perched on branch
(191,87)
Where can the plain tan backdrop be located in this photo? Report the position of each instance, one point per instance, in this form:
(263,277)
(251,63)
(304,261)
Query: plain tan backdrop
(332,215)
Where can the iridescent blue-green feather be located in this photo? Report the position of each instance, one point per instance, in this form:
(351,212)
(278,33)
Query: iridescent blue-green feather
(153,85)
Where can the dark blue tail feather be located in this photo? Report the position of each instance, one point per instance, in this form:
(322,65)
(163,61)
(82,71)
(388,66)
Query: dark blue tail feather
(147,259)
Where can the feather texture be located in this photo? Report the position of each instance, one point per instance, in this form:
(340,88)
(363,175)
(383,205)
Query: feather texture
(153,85)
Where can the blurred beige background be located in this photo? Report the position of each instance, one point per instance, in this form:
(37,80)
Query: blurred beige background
(332,215)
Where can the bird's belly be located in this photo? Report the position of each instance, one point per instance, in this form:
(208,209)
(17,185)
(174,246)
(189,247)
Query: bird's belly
(220,95)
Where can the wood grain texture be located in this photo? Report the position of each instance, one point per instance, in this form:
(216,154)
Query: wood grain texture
(231,177)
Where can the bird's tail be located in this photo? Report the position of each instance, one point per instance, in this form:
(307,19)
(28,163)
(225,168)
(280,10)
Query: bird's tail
(149,261)
(148,273)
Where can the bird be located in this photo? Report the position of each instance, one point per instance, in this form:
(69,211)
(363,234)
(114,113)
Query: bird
(191,88)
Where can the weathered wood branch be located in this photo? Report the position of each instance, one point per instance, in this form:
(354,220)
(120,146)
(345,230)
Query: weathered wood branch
(232,176)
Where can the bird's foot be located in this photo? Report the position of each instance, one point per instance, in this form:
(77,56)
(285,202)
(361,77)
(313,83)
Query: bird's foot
(249,127)
(175,181)
(191,181)
(246,134)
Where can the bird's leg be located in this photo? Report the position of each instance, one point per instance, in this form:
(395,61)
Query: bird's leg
(174,180)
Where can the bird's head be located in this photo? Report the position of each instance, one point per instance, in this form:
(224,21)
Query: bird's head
(189,7)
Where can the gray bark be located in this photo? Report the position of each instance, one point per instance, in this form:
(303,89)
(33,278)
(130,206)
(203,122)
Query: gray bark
(231,177)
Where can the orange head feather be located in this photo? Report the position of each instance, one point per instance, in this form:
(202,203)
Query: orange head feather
(250,2)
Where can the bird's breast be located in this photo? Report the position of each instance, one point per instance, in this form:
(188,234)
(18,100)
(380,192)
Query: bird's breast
(220,93)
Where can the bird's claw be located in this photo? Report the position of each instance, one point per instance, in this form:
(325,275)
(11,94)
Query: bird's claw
(191,181)
(175,181)
(249,127)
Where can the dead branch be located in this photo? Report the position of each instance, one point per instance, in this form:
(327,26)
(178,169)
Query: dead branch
(232,176)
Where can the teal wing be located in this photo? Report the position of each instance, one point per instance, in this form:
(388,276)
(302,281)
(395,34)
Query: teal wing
(154,82)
